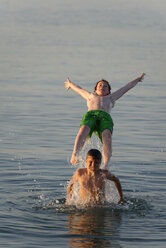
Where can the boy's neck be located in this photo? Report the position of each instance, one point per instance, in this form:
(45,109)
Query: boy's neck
(93,173)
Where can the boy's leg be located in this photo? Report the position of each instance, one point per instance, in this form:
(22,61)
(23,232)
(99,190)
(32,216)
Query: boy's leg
(107,146)
(79,142)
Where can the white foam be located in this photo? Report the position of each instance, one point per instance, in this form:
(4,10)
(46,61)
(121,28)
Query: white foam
(111,195)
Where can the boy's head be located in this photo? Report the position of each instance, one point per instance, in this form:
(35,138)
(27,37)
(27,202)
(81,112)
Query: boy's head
(93,160)
(96,154)
(102,88)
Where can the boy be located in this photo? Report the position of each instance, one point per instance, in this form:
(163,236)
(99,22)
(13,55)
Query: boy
(98,119)
(91,181)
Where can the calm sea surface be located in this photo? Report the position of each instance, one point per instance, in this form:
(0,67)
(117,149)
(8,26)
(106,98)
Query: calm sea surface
(41,44)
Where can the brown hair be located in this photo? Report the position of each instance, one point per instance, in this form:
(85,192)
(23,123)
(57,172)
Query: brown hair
(104,81)
(96,154)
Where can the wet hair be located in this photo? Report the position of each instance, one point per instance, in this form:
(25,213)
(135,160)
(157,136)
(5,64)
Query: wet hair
(96,154)
(104,81)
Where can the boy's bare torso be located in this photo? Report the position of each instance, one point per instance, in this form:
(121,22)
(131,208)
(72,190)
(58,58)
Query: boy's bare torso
(95,102)
(92,187)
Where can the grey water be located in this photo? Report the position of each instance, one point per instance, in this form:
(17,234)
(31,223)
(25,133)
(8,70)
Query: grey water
(42,43)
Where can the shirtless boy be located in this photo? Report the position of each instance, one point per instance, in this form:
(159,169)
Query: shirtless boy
(92,180)
(98,119)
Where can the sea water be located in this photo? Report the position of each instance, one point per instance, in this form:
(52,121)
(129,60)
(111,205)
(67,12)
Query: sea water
(42,43)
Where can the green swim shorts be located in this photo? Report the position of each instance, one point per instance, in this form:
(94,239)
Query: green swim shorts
(97,121)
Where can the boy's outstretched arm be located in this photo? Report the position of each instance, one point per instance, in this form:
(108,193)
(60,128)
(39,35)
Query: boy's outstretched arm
(117,94)
(117,183)
(84,93)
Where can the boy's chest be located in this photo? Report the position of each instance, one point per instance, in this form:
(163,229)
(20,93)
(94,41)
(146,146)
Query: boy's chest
(92,184)
(99,102)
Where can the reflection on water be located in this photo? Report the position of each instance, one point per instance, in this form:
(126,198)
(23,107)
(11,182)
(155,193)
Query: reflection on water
(99,226)
(90,228)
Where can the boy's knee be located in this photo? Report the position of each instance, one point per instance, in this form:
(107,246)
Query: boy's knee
(106,134)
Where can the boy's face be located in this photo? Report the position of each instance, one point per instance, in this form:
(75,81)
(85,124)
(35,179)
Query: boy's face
(92,164)
(102,89)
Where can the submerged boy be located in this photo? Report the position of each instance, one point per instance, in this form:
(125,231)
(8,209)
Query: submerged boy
(92,180)
(98,119)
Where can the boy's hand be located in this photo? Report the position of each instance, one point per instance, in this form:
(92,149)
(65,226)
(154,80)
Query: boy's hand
(120,201)
(141,77)
(67,84)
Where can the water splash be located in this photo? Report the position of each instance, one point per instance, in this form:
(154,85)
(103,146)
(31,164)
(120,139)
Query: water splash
(130,206)
(111,194)
(92,143)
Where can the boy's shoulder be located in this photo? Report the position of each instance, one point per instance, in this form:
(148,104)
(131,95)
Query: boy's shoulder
(106,173)
(81,171)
